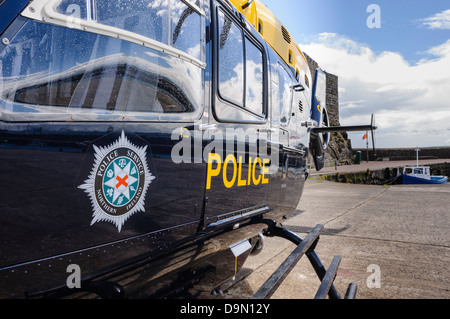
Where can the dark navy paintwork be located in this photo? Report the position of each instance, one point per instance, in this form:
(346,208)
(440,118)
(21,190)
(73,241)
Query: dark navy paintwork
(9,11)
(45,219)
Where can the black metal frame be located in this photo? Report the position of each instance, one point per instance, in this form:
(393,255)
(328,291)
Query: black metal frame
(304,246)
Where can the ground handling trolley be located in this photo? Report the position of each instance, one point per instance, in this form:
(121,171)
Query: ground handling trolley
(304,246)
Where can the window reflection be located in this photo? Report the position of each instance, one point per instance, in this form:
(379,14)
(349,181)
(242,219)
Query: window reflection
(170,22)
(231,61)
(254,78)
(131,15)
(240,81)
(57,67)
(186,28)
(285,94)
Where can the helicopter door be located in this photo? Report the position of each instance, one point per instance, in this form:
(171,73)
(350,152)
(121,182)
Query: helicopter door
(300,112)
(237,167)
(285,118)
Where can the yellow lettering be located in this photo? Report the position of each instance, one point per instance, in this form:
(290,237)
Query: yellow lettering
(240,181)
(226,182)
(184,132)
(213,172)
(236,171)
(265,170)
(249,180)
(256,181)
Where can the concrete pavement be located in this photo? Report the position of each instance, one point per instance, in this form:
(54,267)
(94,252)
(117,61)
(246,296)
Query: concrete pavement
(393,242)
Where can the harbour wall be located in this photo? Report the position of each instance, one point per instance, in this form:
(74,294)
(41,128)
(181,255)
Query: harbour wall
(404,154)
(386,176)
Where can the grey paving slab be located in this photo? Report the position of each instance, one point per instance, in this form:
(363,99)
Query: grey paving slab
(399,233)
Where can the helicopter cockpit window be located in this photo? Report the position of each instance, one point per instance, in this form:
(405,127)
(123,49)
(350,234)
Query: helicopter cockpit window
(172,21)
(59,72)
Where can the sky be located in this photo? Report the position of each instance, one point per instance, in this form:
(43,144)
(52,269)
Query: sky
(392,60)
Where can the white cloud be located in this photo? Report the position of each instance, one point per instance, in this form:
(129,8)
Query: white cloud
(411,102)
(351,104)
(438,21)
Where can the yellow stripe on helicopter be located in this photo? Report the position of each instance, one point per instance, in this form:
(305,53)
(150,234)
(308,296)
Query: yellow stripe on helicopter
(275,34)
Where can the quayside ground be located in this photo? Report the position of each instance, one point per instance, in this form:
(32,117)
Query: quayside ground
(397,233)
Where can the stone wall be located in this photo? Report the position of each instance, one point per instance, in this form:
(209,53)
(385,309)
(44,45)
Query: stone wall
(404,154)
(339,149)
(333,98)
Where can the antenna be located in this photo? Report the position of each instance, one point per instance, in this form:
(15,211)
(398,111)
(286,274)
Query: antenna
(417,152)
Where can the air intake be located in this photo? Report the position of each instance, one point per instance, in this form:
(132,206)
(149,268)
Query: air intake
(286,34)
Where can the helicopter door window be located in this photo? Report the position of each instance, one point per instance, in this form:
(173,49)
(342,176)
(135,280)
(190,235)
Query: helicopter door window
(285,94)
(254,78)
(240,71)
(231,61)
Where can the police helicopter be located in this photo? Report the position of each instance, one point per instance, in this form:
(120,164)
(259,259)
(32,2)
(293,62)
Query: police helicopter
(146,144)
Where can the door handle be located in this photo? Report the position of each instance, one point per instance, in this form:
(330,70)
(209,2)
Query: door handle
(207,127)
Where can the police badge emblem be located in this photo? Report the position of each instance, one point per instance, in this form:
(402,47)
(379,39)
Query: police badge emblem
(118,182)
